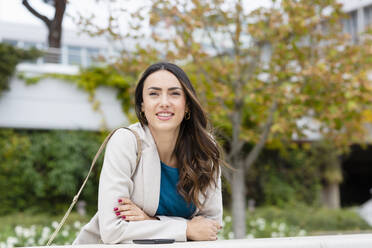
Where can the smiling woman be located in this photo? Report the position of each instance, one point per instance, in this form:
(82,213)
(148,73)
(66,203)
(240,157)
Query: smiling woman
(175,191)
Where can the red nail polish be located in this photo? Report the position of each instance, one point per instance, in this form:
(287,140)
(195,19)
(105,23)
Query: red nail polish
(119,200)
(117,213)
(115,209)
(123,217)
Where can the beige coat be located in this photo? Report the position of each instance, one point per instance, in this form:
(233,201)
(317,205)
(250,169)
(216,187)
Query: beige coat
(143,189)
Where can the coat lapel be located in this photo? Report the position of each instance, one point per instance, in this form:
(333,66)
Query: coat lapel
(151,173)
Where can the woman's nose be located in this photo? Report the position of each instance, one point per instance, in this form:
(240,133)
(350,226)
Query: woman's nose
(164,101)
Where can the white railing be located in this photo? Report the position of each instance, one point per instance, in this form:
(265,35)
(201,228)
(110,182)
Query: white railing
(333,241)
(64,56)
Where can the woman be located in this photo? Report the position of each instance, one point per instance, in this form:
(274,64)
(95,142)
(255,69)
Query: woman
(175,191)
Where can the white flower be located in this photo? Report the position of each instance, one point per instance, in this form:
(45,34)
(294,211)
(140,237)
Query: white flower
(261,221)
(30,241)
(230,235)
(54,224)
(77,224)
(250,236)
(302,232)
(45,232)
(261,224)
(274,235)
(33,230)
(64,233)
(11,241)
(282,227)
(26,233)
(18,230)
(41,241)
(3,245)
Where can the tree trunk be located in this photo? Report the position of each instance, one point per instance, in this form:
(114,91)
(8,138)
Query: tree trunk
(331,195)
(55,35)
(54,28)
(238,203)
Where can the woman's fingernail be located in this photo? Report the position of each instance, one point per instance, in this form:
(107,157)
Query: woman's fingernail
(117,213)
(119,200)
(123,217)
(115,209)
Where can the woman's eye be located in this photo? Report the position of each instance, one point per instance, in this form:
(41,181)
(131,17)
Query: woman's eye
(153,94)
(176,93)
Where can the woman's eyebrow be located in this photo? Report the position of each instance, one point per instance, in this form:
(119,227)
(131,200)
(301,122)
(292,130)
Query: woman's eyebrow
(174,88)
(171,88)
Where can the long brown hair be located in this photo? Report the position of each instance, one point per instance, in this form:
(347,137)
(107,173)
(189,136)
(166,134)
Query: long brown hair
(198,154)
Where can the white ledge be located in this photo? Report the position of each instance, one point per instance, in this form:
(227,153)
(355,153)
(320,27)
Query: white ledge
(334,241)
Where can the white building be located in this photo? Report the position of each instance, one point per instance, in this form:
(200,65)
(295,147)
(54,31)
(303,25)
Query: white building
(54,103)
(360,12)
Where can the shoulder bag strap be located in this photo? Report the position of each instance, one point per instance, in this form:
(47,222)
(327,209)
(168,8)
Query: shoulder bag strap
(76,197)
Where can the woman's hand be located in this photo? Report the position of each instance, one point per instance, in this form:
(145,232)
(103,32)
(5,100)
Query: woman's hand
(129,211)
(200,228)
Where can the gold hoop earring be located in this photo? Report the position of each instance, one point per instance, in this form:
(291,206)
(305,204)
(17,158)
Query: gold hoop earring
(187,115)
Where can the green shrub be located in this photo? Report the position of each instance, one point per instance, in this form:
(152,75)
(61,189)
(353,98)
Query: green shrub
(42,170)
(283,178)
(10,56)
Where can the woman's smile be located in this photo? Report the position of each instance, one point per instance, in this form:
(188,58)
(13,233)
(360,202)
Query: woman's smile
(164,115)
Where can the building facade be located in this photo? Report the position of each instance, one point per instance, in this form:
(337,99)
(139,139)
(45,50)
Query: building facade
(54,103)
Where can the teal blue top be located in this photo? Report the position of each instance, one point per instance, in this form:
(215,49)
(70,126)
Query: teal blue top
(171,203)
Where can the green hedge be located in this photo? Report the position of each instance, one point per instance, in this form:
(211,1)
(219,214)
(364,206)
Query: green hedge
(283,178)
(313,219)
(42,170)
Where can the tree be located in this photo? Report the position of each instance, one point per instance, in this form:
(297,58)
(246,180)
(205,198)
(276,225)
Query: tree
(266,76)
(54,25)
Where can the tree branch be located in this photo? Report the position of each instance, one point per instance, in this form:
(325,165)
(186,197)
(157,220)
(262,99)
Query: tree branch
(35,13)
(252,156)
(227,173)
(235,150)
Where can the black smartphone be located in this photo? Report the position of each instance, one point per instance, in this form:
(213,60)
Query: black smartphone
(153,241)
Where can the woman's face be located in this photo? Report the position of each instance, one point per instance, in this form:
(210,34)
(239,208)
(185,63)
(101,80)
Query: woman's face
(164,101)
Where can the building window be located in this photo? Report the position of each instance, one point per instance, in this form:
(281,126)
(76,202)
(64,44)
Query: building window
(28,45)
(74,55)
(92,55)
(351,25)
(368,16)
(10,42)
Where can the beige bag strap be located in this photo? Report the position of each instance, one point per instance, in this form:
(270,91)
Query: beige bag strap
(76,197)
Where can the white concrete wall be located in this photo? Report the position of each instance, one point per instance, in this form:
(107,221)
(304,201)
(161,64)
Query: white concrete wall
(57,104)
(335,241)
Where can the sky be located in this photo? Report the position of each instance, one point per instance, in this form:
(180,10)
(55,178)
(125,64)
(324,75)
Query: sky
(14,11)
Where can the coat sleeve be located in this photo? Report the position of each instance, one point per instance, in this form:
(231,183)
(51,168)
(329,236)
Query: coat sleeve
(212,207)
(115,182)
